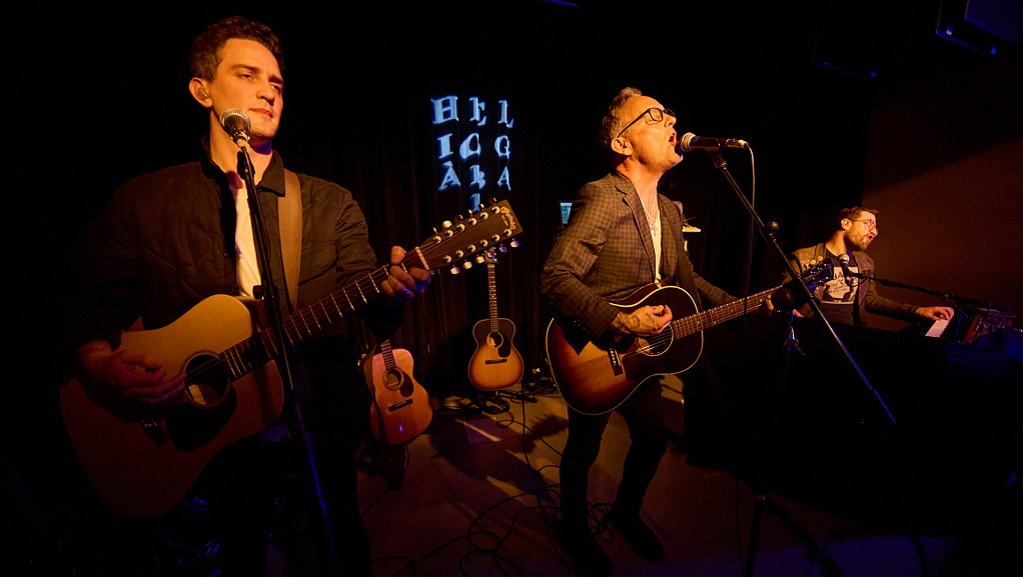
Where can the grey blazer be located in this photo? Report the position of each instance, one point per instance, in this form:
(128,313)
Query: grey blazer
(606,252)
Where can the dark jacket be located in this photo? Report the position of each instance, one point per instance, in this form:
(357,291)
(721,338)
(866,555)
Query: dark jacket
(165,241)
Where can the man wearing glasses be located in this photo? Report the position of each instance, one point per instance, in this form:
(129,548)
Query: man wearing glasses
(622,235)
(850,299)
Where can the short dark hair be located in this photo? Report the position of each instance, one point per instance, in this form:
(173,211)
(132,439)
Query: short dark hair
(851,213)
(205,55)
(609,124)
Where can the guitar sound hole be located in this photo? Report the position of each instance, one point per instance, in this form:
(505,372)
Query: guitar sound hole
(206,381)
(654,345)
(393,380)
(192,425)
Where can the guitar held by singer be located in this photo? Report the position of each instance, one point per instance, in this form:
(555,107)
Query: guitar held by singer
(141,459)
(496,364)
(594,377)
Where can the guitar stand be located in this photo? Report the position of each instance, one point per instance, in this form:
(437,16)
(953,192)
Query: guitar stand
(490,402)
(520,396)
(389,462)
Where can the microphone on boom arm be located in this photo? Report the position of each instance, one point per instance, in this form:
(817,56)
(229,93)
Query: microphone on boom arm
(690,141)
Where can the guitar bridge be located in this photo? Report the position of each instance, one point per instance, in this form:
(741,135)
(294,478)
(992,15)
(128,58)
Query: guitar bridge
(397,406)
(152,429)
(615,359)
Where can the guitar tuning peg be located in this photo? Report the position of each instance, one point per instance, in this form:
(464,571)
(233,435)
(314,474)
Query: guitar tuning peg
(446,224)
(467,265)
(455,270)
(502,248)
(514,243)
(480,259)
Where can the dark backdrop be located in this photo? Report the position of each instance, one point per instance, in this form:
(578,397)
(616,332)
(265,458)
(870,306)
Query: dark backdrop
(98,97)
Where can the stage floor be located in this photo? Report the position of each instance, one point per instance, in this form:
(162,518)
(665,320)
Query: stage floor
(480,490)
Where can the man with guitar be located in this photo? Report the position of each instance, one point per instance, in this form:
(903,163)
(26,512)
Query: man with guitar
(622,235)
(167,242)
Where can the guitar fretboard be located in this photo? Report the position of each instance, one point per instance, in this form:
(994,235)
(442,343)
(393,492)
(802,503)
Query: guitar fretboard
(717,315)
(315,319)
(308,322)
(492,292)
(447,247)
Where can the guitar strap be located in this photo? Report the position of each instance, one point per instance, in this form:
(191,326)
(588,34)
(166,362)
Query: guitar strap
(289,212)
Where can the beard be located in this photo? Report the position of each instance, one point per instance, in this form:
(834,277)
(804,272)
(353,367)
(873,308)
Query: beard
(858,242)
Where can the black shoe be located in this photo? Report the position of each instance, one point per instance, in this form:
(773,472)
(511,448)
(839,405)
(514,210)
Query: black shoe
(583,549)
(637,534)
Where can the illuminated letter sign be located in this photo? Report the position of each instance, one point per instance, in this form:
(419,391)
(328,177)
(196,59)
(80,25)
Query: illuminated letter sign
(473,148)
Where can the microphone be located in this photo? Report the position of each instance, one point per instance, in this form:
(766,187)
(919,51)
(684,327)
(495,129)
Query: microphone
(237,125)
(843,261)
(690,141)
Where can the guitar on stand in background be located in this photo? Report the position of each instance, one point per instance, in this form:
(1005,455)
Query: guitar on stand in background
(399,413)
(401,408)
(496,364)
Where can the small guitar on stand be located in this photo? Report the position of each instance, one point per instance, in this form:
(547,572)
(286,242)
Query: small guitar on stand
(401,406)
(496,364)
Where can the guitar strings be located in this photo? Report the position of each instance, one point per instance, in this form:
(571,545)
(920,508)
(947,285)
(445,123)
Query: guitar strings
(242,358)
(694,323)
(366,285)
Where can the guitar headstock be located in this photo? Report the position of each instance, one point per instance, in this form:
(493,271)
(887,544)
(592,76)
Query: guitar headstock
(472,238)
(819,274)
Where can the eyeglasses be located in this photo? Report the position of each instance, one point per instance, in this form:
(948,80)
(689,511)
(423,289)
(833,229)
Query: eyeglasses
(656,115)
(870,224)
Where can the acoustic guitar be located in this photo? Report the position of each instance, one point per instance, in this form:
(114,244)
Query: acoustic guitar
(141,460)
(594,377)
(496,364)
(401,406)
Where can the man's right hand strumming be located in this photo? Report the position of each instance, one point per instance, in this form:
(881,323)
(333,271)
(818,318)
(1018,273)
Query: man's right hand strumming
(644,321)
(132,375)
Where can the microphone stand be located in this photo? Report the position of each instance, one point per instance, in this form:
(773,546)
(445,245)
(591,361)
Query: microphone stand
(767,232)
(959,300)
(764,503)
(267,292)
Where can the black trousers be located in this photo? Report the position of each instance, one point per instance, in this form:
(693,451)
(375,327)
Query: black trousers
(643,412)
(244,479)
